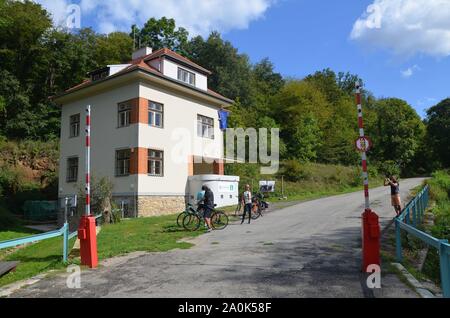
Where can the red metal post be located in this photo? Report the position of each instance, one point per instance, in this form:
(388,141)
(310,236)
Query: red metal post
(370,221)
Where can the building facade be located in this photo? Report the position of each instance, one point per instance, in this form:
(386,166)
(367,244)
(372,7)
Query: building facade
(154,123)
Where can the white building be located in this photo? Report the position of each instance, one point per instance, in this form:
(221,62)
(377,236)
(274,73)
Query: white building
(154,124)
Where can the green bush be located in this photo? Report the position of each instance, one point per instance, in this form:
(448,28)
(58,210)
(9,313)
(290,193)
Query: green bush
(7,220)
(388,168)
(439,192)
(294,171)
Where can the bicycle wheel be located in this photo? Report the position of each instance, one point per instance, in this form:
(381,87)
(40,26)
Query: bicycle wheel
(219,220)
(256,212)
(180,218)
(191,222)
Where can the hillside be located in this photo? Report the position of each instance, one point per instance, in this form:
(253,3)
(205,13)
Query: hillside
(28,171)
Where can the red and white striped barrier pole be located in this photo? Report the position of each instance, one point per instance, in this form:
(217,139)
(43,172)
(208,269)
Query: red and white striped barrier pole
(87,230)
(88,160)
(364,153)
(370,222)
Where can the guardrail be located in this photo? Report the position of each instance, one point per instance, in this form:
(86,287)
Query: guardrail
(64,232)
(408,220)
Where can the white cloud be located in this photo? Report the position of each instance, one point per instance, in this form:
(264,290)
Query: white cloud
(410,71)
(58,9)
(407,27)
(198,17)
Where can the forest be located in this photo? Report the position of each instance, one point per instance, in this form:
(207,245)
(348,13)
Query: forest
(316,114)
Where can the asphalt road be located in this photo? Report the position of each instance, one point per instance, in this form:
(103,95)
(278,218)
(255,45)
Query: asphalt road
(308,250)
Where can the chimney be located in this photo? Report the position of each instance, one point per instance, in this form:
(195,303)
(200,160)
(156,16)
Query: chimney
(141,53)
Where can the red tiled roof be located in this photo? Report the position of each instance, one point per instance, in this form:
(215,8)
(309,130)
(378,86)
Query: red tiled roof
(140,63)
(167,52)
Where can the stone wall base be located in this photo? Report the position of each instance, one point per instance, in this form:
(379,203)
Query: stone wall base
(160,205)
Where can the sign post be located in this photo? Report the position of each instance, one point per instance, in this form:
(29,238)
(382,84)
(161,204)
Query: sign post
(370,221)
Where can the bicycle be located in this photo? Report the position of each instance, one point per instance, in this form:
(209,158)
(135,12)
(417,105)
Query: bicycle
(259,206)
(193,220)
(189,209)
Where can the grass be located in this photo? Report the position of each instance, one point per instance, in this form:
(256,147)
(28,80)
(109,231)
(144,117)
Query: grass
(34,259)
(156,234)
(16,232)
(440,208)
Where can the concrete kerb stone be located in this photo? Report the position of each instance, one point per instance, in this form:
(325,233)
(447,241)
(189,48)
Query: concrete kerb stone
(422,291)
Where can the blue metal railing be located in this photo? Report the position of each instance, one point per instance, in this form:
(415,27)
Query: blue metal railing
(64,232)
(412,215)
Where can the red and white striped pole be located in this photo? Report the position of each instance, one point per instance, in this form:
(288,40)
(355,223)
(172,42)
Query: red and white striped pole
(364,153)
(370,220)
(88,160)
(87,230)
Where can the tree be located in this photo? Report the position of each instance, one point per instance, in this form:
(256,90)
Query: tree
(438,133)
(231,71)
(306,139)
(21,28)
(114,48)
(398,131)
(161,33)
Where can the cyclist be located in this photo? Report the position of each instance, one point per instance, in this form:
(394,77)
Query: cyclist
(207,204)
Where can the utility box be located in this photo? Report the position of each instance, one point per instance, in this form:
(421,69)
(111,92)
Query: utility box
(225,188)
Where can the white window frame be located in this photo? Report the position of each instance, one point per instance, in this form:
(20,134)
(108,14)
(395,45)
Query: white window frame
(75,126)
(123,114)
(153,111)
(205,127)
(72,177)
(123,164)
(152,159)
(186,76)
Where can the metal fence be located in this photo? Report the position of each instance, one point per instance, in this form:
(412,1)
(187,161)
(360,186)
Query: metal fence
(64,232)
(413,215)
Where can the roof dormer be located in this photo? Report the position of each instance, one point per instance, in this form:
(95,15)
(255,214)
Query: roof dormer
(107,71)
(177,67)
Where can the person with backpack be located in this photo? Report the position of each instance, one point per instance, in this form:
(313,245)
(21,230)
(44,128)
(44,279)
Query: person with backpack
(208,206)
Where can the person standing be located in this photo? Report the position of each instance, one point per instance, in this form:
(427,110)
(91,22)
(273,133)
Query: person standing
(395,193)
(208,206)
(247,203)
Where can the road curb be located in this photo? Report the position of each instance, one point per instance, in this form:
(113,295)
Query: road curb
(418,287)
(10,289)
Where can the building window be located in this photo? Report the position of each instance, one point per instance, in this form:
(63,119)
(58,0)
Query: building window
(155,114)
(123,162)
(124,114)
(155,163)
(72,169)
(100,75)
(205,127)
(74,126)
(186,76)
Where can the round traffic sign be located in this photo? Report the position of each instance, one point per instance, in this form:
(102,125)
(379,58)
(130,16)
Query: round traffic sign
(363,144)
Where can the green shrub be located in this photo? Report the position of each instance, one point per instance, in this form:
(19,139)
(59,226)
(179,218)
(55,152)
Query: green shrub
(7,220)
(294,171)
(388,168)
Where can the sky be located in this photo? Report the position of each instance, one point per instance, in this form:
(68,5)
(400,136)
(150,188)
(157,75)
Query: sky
(400,48)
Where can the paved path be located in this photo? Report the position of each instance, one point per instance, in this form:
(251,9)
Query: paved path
(308,250)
